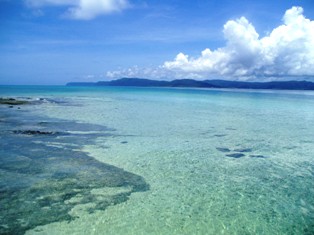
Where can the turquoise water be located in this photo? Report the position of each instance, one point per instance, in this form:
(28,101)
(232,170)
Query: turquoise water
(199,161)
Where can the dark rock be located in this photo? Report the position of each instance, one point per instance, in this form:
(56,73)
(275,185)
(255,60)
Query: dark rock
(34,132)
(224,150)
(235,155)
(11,101)
(290,147)
(258,156)
(220,135)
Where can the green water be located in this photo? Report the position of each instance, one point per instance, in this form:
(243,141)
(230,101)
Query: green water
(216,162)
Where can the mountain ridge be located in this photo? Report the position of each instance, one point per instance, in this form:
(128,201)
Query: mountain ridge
(191,83)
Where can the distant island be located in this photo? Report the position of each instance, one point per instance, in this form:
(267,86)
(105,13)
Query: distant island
(139,82)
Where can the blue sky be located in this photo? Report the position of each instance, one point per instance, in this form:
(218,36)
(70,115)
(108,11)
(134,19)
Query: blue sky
(54,41)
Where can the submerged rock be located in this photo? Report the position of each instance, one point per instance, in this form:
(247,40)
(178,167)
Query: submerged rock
(258,156)
(235,155)
(220,135)
(35,132)
(224,150)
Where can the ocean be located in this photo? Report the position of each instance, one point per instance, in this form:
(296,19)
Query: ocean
(119,160)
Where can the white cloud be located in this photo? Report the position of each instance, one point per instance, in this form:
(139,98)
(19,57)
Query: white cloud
(88,9)
(138,72)
(158,73)
(41,3)
(287,51)
(83,9)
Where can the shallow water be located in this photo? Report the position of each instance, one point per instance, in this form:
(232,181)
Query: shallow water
(208,161)
(45,175)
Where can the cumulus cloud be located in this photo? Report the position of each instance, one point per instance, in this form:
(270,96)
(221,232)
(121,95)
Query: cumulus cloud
(83,9)
(287,51)
(136,71)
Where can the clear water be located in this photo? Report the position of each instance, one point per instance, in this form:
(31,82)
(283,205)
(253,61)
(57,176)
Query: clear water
(211,161)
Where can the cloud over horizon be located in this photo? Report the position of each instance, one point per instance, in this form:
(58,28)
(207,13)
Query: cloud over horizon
(83,9)
(287,51)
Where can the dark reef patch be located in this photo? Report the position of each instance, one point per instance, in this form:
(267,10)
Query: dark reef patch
(220,135)
(12,101)
(235,155)
(224,150)
(35,132)
(43,175)
(258,156)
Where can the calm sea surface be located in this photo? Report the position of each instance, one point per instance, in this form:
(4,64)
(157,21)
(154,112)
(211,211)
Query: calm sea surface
(101,160)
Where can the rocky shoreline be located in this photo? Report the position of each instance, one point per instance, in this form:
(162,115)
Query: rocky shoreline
(13,101)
